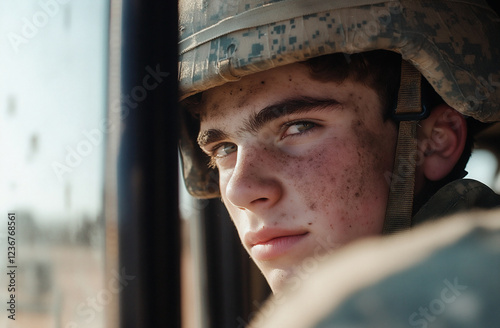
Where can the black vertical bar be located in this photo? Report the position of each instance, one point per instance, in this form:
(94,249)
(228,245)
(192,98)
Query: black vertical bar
(226,282)
(149,238)
(234,284)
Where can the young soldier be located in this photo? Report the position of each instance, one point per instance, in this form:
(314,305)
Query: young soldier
(313,144)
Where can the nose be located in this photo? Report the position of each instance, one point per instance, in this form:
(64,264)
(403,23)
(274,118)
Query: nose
(254,183)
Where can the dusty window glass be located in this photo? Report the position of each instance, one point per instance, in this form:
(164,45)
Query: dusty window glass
(52,105)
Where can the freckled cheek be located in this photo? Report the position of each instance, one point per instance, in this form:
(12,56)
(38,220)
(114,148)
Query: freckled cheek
(317,177)
(340,182)
(369,189)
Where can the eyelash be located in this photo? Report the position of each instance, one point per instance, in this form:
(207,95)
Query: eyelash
(213,157)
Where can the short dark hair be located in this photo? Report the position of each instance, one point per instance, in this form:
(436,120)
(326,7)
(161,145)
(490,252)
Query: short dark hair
(379,70)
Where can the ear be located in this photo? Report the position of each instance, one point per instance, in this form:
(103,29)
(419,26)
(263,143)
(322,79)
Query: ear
(441,137)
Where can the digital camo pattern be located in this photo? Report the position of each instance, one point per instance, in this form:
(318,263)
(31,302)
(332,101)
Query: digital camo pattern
(457,196)
(454,44)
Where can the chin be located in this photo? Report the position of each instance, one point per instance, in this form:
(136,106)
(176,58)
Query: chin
(278,279)
(281,280)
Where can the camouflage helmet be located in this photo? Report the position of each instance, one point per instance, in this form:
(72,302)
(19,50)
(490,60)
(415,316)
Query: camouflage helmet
(453,44)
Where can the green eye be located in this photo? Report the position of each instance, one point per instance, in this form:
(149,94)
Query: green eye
(303,126)
(225,149)
(298,127)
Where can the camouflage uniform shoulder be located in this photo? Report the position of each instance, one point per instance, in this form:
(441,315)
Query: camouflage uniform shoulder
(440,274)
(457,196)
(457,286)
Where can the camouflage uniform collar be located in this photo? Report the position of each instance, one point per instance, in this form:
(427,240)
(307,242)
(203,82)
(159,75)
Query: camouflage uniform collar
(459,195)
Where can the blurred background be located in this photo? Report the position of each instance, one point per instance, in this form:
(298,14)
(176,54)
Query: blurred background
(54,66)
(53,84)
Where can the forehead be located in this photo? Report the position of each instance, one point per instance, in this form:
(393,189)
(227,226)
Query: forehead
(254,91)
(229,103)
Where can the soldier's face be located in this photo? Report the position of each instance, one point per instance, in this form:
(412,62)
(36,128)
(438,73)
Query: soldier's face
(302,165)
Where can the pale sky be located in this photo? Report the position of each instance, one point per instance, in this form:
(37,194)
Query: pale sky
(52,89)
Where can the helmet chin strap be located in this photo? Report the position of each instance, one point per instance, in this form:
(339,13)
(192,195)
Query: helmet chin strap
(408,112)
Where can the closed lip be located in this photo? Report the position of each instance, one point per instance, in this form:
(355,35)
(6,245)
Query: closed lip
(268,244)
(265,235)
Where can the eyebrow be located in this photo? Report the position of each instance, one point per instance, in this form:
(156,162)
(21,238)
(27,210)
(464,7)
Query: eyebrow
(272,112)
(210,136)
